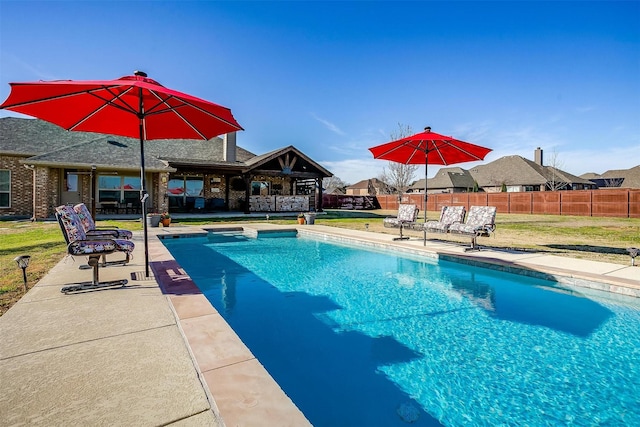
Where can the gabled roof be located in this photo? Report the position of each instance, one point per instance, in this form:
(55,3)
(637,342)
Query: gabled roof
(288,159)
(516,170)
(364,184)
(631,176)
(627,178)
(453,177)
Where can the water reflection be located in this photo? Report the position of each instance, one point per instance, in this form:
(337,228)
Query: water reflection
(534,305)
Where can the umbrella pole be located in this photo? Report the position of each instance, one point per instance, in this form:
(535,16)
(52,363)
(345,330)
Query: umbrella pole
(424,230)
(143,202)
(143,191)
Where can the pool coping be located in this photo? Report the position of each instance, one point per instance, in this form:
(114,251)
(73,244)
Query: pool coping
(243,392)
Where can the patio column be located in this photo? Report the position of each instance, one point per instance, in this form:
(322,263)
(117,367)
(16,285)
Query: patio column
(319,194)
(247,192)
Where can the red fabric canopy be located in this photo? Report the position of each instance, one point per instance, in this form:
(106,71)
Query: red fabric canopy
(115,107)
(429,148)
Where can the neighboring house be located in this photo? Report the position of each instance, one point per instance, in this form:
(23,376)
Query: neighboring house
(447,180)
(515,173)
(334,191)
(368,187)
(43,166)
(510,173)
(616,178)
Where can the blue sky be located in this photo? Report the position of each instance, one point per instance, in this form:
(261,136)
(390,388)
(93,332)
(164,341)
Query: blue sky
(333,78)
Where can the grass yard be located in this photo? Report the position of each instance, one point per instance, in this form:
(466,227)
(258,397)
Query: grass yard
(599,239)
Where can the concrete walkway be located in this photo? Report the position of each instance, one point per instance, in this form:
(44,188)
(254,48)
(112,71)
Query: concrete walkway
(157,353)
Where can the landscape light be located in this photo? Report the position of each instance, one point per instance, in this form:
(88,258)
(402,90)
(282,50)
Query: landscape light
(23,263)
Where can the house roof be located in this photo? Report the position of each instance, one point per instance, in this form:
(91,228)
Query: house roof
(43,143)
(29,137)
(453,177)
(289,158)
(629,178)
(106,152)
(364,184)
(516,170)
(510,170)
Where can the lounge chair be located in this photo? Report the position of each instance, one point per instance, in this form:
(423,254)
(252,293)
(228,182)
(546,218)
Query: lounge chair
(81,244)
(90,229)
(407,215)
(481,221)
(89,225)
(448,215)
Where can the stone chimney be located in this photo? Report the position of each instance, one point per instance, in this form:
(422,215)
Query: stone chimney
(229,147)
(537,156)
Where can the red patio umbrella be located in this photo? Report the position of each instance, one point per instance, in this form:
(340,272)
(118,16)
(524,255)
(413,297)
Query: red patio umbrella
(132,106)
(429,148)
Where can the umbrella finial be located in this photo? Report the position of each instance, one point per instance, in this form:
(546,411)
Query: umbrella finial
(427,129)
(140,73)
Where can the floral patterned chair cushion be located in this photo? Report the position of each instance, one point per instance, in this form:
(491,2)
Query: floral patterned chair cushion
(448,216)
(407,214)
(79,243)
(481,221)
(89,225)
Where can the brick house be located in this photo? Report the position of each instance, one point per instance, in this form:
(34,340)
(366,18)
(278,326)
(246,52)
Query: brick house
(368,187)
(43,166)
(508,173)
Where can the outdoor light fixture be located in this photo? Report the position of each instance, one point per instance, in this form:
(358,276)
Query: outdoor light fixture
(366,226)
(633,253)
(23,263)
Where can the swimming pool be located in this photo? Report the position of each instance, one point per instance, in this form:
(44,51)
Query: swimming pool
(361,337)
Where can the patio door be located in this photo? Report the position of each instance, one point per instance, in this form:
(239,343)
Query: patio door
(183,192)
(71,188)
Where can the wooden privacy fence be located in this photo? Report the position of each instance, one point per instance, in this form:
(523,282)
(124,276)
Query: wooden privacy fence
(623,203)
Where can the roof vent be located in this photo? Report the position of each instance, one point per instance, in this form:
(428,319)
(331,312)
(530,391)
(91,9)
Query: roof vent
(427,129)
(140,73)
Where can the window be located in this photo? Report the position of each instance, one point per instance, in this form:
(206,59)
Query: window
(259,188)
(71,182)
(114,188)
(5,189)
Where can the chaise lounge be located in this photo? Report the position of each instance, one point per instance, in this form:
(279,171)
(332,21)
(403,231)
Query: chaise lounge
(80,243)
(481,221)
(407,215)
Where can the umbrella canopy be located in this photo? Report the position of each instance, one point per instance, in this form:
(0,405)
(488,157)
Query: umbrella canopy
(116,107)
(132,106)
(429,148)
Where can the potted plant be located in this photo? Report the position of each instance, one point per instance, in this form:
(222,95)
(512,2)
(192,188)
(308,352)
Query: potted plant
(300,218)
(165,218)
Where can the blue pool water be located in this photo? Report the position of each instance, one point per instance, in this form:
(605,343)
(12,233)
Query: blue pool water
(358,337)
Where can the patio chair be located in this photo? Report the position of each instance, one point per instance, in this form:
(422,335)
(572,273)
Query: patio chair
(448,215)
(81,244)
(407,215)
(89,225)
(90,229)
(481,221)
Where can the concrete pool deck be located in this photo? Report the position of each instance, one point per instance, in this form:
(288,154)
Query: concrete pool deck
(157,353)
